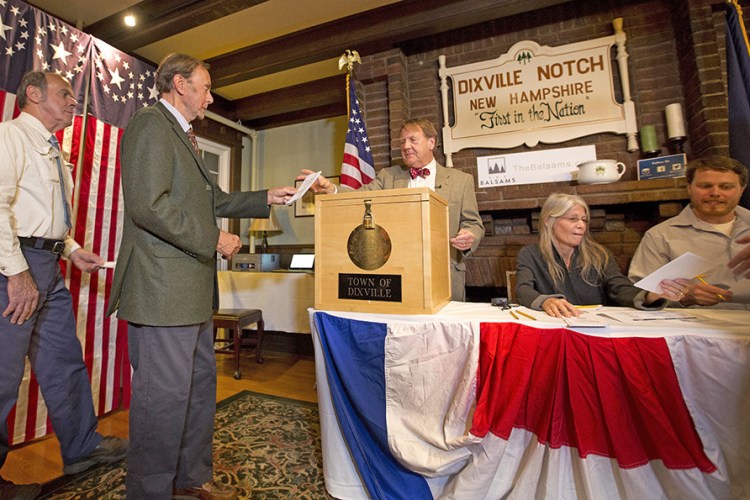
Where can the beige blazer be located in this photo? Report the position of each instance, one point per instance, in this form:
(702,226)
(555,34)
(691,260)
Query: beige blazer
(463,213)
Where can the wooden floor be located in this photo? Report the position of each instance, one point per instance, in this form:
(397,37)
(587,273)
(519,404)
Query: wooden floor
(281,374)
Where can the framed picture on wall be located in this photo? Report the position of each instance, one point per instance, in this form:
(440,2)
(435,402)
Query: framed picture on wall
(305,206)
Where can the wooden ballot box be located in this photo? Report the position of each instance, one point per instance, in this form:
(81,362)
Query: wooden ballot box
(382,251)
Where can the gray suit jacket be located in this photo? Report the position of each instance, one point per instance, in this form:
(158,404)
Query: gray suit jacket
(166,267)
(458,188)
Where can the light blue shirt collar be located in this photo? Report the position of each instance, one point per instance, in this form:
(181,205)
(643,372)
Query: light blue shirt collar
(180,119)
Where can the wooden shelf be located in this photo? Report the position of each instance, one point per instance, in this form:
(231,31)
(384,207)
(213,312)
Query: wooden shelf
(532,196)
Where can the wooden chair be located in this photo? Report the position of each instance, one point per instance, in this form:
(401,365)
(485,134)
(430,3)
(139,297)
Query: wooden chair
(234,321)
(510,283)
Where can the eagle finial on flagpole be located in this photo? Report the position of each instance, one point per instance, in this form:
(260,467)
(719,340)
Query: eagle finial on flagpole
(348,59)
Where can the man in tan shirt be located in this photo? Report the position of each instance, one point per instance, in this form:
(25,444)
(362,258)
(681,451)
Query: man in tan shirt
(37,310)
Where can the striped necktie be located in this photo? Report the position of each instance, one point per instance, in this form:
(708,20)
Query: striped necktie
(66,204)
(193,140)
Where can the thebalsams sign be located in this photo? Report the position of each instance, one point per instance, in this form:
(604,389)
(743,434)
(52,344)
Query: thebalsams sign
(536,94)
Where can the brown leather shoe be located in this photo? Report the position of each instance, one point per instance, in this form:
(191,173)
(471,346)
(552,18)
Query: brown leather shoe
(12,491)
(206,491)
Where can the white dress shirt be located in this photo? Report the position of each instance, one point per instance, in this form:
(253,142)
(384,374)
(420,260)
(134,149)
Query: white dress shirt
(31,196)
(428,181)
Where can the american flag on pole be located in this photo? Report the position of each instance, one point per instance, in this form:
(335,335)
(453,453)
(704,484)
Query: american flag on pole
(738,76)
(120,85)
(32,40)
(357,168)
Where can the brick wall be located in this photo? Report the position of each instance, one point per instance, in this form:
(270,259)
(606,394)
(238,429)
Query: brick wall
(676,50)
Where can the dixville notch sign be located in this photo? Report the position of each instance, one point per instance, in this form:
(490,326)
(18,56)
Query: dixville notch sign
(536,94)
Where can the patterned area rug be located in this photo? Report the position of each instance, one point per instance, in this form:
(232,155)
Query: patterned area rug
(265,446)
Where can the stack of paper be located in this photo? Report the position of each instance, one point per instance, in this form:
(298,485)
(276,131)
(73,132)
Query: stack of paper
(585,320)
(634,316)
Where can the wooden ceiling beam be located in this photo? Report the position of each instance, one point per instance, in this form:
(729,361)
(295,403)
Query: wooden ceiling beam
(374,31)
(302,116)
(394,25)
(159,19)
(315,94)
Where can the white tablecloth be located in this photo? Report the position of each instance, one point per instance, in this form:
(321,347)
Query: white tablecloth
(711,356)
(283,297)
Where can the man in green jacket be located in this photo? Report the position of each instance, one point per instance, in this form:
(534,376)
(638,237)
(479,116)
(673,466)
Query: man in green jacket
(165,284)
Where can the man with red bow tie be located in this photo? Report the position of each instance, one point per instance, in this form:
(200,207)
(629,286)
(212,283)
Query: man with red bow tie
(418,139)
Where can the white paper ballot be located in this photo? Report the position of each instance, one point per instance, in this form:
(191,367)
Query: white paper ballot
(304,187)
(687,265)
(585,320)
(634,317)
(110,264)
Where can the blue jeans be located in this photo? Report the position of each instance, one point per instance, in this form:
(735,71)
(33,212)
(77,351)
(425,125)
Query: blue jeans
(49,339)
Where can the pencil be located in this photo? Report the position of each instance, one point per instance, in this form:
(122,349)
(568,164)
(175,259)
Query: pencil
(700,278)
(513,314)
(527,315)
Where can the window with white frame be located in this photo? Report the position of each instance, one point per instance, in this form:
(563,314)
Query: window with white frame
(216,157)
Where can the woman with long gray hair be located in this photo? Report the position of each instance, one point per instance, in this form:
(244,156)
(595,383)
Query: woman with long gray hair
(568,268)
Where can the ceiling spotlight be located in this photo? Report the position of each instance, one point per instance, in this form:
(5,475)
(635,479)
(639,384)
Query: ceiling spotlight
(129,20)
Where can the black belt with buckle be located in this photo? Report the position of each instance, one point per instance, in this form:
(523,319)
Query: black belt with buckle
(54,246)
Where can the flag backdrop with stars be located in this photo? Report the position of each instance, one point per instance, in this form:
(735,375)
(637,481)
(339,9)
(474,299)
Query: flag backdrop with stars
(357,167)
(33,40)
(115,85)
(121,85)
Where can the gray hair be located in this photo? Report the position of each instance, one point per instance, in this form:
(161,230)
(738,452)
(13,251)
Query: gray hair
(172,65)
(36,79)
(594,257)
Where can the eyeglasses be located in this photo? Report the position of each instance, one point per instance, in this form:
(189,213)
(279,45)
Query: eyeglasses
(575,220)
